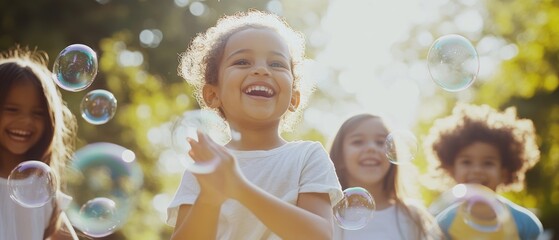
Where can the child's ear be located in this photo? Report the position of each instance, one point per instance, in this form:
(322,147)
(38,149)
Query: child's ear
(211,96)
(295,100)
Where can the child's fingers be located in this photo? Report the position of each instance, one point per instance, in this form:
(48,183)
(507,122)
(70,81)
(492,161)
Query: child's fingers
(218,151)
(199,150)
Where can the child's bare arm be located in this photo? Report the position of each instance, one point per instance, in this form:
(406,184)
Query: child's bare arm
(310,219)
(197,221)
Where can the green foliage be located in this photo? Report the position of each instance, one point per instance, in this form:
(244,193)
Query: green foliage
(528,81)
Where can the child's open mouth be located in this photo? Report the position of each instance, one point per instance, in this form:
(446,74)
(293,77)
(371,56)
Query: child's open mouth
(259,91)
(19,135)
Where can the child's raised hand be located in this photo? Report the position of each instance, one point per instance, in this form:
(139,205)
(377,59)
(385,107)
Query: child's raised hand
(226,179)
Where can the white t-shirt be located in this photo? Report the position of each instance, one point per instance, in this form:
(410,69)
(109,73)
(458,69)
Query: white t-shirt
(384,225)
(18,222)
(296,167)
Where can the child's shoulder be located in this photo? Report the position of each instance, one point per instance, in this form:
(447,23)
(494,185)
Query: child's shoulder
(521,214)
(305,143)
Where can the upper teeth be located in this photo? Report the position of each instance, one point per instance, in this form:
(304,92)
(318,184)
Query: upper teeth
(20,132)
(259,88)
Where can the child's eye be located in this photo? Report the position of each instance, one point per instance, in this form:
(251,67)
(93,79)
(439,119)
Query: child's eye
(10,109)
(380,143)
(278,64)
(488,163)
(241,62)
(356,142)
(465,162)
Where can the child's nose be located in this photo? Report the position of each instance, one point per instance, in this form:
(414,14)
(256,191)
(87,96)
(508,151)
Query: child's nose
(261,68)
(477,168)
(373,147)
(26,118)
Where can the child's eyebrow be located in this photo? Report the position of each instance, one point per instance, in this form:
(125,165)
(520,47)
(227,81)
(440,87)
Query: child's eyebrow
(240,51)
(359,134)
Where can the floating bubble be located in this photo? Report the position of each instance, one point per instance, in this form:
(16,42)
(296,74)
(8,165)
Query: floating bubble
(75,67)
(32,184)
(186,126)
(98,106)
(103,170)
(355,209)
(401,146)
(98,217)
(478,206)
(453,62)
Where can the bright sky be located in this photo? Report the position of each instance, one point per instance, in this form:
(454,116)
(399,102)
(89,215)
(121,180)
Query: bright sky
(359,48)
(361,34)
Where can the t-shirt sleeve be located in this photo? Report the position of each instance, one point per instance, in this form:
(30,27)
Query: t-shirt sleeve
(319,174)
(529,226)
(186,193)
(445,219)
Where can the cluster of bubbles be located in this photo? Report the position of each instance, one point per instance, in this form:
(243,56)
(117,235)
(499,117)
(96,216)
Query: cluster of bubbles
(355,209)
(453,62)
(103,177)
(186,126)
(479,207)
(75,69)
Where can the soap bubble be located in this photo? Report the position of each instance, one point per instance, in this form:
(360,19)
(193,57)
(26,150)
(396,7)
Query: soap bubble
(355,209)
(75,67)
(32,184)
(98,106)
(453,62)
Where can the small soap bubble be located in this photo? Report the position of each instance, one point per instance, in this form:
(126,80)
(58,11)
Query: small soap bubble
(98,106)
(186,126)
(75,67)
(401,146)
(355,209)
(98,217)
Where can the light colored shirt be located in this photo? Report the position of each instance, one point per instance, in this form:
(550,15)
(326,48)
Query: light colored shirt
(18,222)
(386,224)
(285,172)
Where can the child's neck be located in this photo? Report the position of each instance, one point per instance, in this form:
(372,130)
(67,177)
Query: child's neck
(255,139)
(383,199)
(8,162)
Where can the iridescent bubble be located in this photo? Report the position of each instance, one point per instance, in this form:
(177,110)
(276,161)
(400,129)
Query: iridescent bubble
(401,146)
(479,207)
(453,62)
(355,209)
(98,106)
(186,126)
(75,67)
(32,184)
(98,217)
(103,170)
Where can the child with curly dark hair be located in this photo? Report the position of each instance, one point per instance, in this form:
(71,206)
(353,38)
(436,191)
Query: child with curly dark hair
(480,145)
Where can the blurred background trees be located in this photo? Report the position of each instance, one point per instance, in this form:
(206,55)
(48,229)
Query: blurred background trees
(138,43)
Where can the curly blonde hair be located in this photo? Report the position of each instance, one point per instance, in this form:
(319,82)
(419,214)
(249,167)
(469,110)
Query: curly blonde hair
(514,138)
(199,64)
